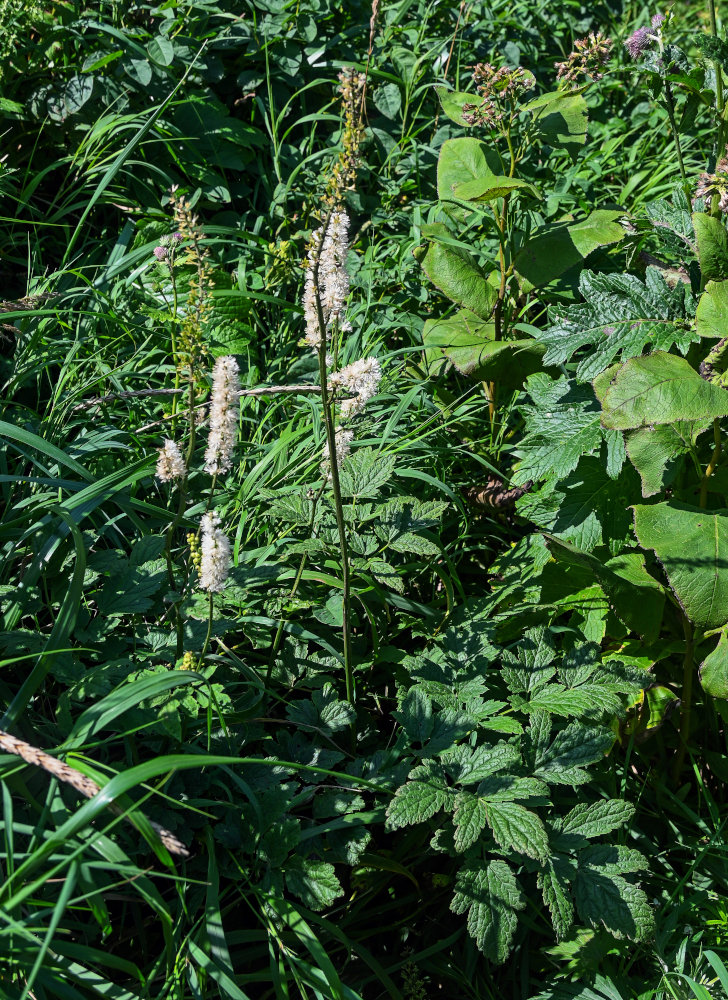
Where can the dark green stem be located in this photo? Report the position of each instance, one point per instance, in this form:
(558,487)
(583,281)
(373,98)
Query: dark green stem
(328,408)
(670,105)
(206,646)
(686,699)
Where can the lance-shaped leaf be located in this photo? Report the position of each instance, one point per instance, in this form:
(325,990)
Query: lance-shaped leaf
(660,389)
(457,275)
(692,545)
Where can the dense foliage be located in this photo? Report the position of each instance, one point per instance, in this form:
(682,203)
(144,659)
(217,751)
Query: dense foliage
(364,598)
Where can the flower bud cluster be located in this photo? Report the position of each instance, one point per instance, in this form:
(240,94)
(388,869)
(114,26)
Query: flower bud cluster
(587,59)
(224,406)
(170,464)
(714,184)
(167,243)
(195,551)
(498,88)
(216,554)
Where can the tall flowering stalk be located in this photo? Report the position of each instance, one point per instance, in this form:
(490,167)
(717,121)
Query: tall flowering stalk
(334,252)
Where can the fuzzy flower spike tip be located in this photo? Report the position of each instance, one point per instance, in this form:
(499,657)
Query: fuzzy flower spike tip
(215,554)
(224,405)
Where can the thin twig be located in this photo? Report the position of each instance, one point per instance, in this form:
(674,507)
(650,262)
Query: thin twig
(261,390)
(38,758)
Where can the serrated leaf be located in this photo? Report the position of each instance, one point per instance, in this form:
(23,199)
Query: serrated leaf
(692,545)
(491,897)
(597,818)
(470,819)
(611,902)
(416,802)
(587,700)
(365,472)
(529,665)
(417,544)
(386,574)
(588,508)
(619,317)
(574,748)
(314,882)
(415,716)
(562,424)
(467,766)
(660,389)
(613,859)
(554,885)
(519,829)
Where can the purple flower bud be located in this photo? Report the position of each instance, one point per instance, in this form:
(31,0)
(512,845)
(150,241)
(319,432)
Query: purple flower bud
(637,42)
(177,237)
(657,20)
(161,253)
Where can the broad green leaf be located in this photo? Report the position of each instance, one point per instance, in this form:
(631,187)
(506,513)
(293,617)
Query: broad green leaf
(557,248)
(588,508)
(599,229)
(314,882)
(597,818)
(452,103)
(692,545)
(516,827)
(388,100)
(491,897)
(586,700)
(611,902)
(714,669)
(468,343)
(560,119)
(470,819)
(712,246)
(161,50)
(554,885)
(619,317)
(463,159)
(456,274)
(711,318)
(491,187)
(655,451)
(467,766)
(660,389)
(634,596)
(613,859)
